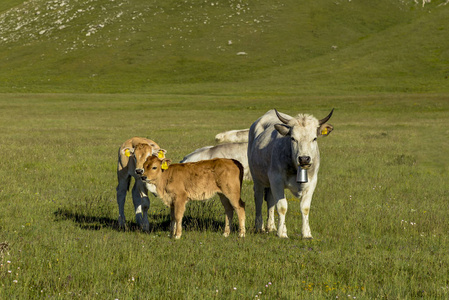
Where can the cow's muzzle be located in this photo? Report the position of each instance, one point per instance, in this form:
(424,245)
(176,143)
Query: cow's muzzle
(305,161)
(139,171)
(144,178)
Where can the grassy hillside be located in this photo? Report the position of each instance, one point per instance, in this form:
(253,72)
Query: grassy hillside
(180,46)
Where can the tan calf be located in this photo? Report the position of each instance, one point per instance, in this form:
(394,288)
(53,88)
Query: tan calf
(177,184)
(131,157)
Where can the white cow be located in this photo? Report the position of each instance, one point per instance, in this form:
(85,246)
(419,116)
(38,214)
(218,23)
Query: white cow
(237,151)
(131,157)
(278,146)
(232,136)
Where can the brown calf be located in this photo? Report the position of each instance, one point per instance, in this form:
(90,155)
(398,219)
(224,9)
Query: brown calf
(131,156)
(179,183)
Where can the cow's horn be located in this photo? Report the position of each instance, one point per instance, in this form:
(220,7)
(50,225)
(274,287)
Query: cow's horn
(322,121)
(283,120)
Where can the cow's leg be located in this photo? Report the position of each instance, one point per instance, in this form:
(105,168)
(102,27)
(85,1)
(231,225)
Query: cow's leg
(180,207)
(122,188)
(271,226)
(281,207)
(306,200)
(229,211)
(258,199)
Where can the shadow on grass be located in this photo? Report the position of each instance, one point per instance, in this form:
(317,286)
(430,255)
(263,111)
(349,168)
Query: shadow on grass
(158,222)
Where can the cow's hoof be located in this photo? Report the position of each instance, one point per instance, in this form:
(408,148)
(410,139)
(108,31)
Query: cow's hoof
(121,223)
(283,235)
(307,238)
(241,235)
(272,229)
(177,237)
(226,234)
(260,230)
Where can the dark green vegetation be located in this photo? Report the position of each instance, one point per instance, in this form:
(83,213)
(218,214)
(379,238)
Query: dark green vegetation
(80,77)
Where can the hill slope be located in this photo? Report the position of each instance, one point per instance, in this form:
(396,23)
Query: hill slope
(142,45)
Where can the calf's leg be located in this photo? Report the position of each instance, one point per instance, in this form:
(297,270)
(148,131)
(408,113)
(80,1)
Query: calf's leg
(240,209)
(137,201)
(229,211)
(144,205)
(179,209)
(122,188)
(172,221)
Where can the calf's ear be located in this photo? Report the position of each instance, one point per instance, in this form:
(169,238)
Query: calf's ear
(128,151)
(282,129)
(165,164)
(325,129)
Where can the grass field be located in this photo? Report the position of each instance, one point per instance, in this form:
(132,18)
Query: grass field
(379,214)
(78,78)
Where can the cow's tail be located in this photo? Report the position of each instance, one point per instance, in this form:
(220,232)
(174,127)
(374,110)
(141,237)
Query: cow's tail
(241,171)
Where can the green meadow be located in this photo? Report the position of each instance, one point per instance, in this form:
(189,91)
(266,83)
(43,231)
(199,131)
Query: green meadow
(78,78)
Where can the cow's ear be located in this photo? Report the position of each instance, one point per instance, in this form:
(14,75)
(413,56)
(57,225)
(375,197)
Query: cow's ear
(325,129)
(282,129)
(128,151)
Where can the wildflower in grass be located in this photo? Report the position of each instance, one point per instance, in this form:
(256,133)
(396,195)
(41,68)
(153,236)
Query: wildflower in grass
(15,281)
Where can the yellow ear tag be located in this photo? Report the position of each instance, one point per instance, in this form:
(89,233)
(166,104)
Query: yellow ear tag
(164,165)
(127,153)
(324,131)
(161,155)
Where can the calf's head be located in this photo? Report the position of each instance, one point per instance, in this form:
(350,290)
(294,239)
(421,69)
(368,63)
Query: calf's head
(303,131)
(140,153)
(153,167)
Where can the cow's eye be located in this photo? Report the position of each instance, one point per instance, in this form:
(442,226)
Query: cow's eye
(293,139)
(154,168)
(314,139)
